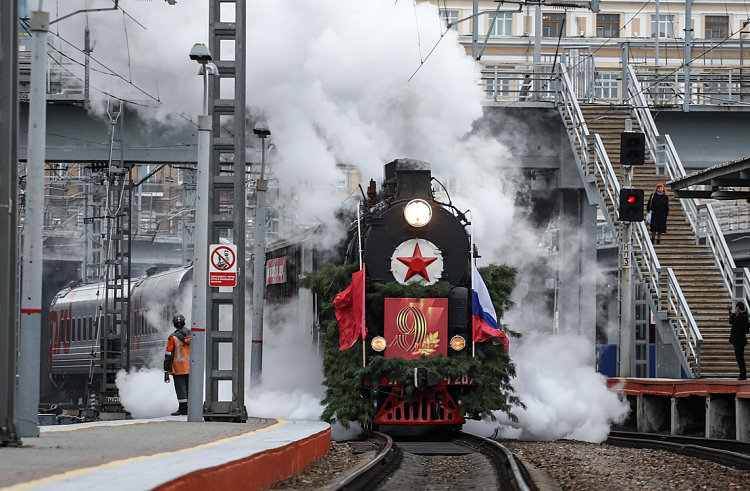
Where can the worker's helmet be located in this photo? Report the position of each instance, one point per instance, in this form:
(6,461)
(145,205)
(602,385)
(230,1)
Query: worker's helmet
(178,320)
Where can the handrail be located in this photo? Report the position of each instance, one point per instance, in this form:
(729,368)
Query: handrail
(592,157)
(683,323)
(594,166)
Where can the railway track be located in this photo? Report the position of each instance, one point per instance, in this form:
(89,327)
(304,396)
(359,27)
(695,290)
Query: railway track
(731,453)
(461,460)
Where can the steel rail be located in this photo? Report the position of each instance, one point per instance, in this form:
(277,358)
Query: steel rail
(370,474)
(518,475)
(361,475)
(711,449)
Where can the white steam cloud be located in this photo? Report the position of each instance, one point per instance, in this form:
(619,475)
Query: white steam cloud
(564,397)
(144,393)
(332,79)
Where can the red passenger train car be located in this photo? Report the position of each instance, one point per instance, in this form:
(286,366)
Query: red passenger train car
(76,320)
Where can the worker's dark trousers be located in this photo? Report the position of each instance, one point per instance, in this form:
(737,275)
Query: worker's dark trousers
(181,383)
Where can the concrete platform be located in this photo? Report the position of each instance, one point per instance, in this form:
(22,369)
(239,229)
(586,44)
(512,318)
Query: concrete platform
(167,454)
(712,408)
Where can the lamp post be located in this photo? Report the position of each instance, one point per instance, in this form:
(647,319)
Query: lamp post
(201,54)
(259,263)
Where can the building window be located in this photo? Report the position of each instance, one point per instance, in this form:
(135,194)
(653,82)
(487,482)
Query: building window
(497,85)
(450,17)
(607,85)
(666,26)
(717,27)
(552,24)
(503,25)
(607,25)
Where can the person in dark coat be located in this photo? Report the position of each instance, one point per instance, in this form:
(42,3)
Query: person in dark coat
(738,337)
(658,205)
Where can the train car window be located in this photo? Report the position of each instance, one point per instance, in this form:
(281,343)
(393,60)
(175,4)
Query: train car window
(91,328)
(79,330)
(73,331)
(76,329)
(67,330)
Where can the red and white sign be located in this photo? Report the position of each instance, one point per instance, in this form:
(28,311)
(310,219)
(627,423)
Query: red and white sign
(222,265)
(276,271)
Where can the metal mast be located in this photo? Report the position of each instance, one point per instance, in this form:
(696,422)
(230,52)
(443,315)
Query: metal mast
(8,217)
(227,181)
(116,320)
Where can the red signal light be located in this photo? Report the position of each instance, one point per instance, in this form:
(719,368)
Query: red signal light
(631,198)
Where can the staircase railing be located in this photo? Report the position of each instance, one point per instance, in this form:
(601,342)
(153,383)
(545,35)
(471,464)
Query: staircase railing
(603,187)
(702,224)
(683,323)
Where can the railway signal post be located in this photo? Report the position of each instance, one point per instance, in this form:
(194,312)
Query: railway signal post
(631,210)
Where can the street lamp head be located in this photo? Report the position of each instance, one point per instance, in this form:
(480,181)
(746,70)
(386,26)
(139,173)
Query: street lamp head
(200,53)
(261,129)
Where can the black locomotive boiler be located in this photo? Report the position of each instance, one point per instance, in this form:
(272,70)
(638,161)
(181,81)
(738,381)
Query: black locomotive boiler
(418,364)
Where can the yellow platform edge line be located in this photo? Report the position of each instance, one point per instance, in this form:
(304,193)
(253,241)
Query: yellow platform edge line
(116,463)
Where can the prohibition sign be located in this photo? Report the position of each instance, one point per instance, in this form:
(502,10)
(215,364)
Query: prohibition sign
(222,259)
(222,268)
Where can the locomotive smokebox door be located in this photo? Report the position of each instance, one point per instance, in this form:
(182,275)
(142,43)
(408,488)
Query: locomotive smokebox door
(404,246)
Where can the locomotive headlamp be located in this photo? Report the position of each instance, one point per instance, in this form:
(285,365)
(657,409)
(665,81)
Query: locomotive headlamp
(458,343)
(418,213)
(378,343)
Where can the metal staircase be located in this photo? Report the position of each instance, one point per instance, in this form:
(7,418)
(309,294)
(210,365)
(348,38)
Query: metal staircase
(689,278)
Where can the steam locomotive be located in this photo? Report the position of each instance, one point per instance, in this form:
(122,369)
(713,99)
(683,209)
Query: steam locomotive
(407,236)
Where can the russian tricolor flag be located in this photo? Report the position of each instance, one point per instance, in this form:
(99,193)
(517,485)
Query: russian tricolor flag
(484,318)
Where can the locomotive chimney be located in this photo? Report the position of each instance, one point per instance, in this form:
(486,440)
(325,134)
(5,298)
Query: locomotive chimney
(412,179)
(372,192)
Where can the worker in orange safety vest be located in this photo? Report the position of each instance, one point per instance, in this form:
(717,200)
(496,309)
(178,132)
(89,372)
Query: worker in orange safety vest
(177,362)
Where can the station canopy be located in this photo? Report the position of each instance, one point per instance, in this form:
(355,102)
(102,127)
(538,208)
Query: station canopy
(727,181)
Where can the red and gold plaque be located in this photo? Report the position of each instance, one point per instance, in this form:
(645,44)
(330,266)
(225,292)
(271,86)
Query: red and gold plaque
(416,327)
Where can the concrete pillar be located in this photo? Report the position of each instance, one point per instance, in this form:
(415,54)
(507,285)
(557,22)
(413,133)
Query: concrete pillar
(577,247)
(653,413)
(742,419)
(720,417)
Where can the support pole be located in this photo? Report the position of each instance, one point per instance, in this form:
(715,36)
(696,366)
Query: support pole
(8,219)
(475,30)
(658,33)
(200,271)
(31,286)
(625,54)
(537,49)
(259,249)
(688,54)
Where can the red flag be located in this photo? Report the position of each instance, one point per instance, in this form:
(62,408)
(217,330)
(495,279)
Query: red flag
(350,311)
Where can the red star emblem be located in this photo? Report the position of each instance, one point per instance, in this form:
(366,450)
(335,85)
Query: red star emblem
(417,264)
